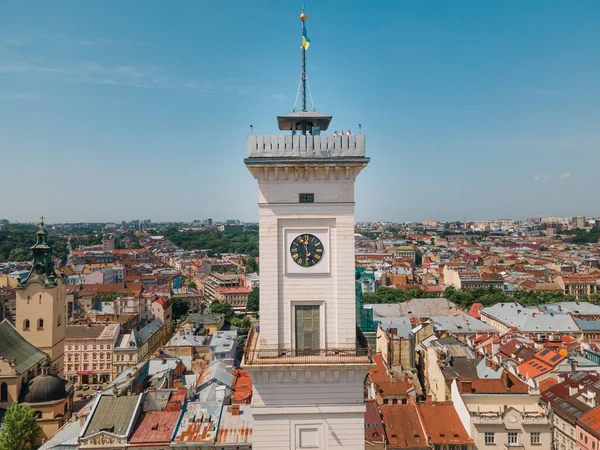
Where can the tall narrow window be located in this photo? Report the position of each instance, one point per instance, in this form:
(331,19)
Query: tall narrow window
(26,324)
(40,324)
(3,392)
(308,327)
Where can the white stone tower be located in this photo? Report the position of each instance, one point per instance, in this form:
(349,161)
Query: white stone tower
(307,359)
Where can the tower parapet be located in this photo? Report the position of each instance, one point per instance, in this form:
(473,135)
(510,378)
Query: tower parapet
(307,146)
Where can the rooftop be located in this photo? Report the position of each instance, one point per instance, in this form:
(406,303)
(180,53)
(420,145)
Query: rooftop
(199,423)
(374,431)
(155,427)
(15,348)
(236,425)
(113,415)
(443,424)
(403,427)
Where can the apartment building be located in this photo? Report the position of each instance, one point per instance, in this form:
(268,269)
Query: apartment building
(502,413)
(89,352)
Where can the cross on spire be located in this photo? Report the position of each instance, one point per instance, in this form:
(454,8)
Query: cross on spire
(42,220)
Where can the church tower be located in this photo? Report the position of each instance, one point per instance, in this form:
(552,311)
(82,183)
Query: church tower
(307,360)
(41,303)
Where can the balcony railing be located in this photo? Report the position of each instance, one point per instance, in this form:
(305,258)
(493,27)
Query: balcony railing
(254,355)
(308,146)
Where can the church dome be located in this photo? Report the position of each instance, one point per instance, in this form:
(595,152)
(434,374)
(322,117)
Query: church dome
(44,388)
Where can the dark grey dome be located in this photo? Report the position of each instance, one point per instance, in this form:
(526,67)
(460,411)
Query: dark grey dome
(44,388)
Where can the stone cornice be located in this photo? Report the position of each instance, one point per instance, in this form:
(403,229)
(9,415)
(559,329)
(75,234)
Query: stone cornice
(306,170)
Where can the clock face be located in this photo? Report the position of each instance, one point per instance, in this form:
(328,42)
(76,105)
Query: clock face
(306,250)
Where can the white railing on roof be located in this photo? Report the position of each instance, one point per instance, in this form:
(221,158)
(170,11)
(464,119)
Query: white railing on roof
(301,146)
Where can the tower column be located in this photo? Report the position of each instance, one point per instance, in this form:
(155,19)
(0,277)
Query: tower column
(307,359)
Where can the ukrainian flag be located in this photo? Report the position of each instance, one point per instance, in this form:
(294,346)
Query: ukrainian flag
(305,39)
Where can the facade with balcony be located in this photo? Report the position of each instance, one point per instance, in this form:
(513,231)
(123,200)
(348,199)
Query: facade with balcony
(502,414)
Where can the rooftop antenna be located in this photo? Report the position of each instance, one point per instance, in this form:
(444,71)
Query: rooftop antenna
(303,79)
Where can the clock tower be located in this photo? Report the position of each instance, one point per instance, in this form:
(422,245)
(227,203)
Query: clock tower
(307,359)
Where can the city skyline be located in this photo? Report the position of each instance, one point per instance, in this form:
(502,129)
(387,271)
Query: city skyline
(469,110)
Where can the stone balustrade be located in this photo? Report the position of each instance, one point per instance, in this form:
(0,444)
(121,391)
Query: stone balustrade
(306,146)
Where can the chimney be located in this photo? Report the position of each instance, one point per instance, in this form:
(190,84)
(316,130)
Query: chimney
(235,410)
(572,390)
(506,380)
(547,278)
(466,387)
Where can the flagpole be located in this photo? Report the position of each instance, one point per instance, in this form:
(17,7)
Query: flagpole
(303,19)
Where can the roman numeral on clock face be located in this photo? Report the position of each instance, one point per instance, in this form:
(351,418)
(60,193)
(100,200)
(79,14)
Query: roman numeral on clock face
(306,250)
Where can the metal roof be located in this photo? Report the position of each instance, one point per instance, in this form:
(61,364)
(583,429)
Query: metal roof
(236,425)
(311,118)
(113,415)
(15,347)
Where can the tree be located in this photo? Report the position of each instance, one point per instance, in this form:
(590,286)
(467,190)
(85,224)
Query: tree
(253,300)
(19,429)
(180,308)
(222,308)
(418,257)
(251,265)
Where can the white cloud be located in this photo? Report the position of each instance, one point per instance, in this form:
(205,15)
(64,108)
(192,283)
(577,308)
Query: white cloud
(21,96)
(277,96)
(121,75)
(544,178)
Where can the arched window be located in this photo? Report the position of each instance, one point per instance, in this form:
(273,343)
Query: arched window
(26,324)
(40,324)
(3,392)
(58,321)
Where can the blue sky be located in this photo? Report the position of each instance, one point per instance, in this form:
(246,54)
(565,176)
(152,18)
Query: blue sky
(114,110)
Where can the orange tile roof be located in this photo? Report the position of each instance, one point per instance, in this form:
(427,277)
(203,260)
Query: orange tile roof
(550,357)
(533,368)
(394,388)
(507,383)
(442,424)
(379,374)
(374,431)
(547,384)
(155,428)
(591,421)
(403,427)
(242,387)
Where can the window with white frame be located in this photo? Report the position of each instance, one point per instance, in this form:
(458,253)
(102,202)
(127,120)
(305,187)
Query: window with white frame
(513,438)
(536,437)
(489,438)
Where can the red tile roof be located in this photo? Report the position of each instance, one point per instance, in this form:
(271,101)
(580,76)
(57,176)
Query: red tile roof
(242,387)
(378,374)
(562,390)
(155,428)
(374,432)
(591,421)
(403,427)
(442,424)
(507,383)
(547,384)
